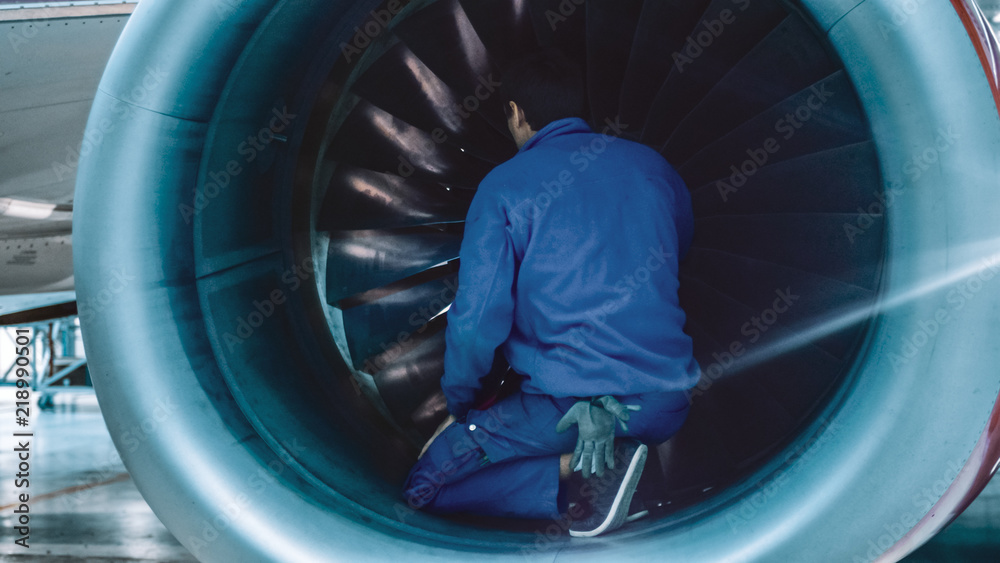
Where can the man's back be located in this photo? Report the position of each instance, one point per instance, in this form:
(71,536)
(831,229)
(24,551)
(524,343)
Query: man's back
(595,225)
(569,265)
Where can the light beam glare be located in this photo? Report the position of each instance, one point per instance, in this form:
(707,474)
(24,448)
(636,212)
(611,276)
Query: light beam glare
(983,261)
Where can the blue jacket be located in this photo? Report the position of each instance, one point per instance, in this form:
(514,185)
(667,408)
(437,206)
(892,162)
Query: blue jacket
(569,262)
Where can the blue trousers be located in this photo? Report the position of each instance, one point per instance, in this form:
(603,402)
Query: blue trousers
(504,461)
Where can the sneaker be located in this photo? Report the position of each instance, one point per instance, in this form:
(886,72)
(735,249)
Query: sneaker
(636,510)
(610,495)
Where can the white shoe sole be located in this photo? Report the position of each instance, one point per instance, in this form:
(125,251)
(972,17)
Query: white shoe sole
(619,508)
(637,516)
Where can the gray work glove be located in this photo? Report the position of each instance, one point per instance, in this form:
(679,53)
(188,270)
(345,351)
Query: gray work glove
(595,444)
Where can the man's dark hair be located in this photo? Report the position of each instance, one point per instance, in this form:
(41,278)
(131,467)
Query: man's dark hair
(547,85)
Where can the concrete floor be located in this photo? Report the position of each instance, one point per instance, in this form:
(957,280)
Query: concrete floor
(86,509)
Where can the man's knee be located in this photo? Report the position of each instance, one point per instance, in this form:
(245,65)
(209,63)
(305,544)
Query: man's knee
(426,480)
(451,457)
(422,488)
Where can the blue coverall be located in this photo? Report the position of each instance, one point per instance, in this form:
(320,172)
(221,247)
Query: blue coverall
(569,262)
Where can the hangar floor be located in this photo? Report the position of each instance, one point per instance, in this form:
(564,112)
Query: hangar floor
(85,508)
